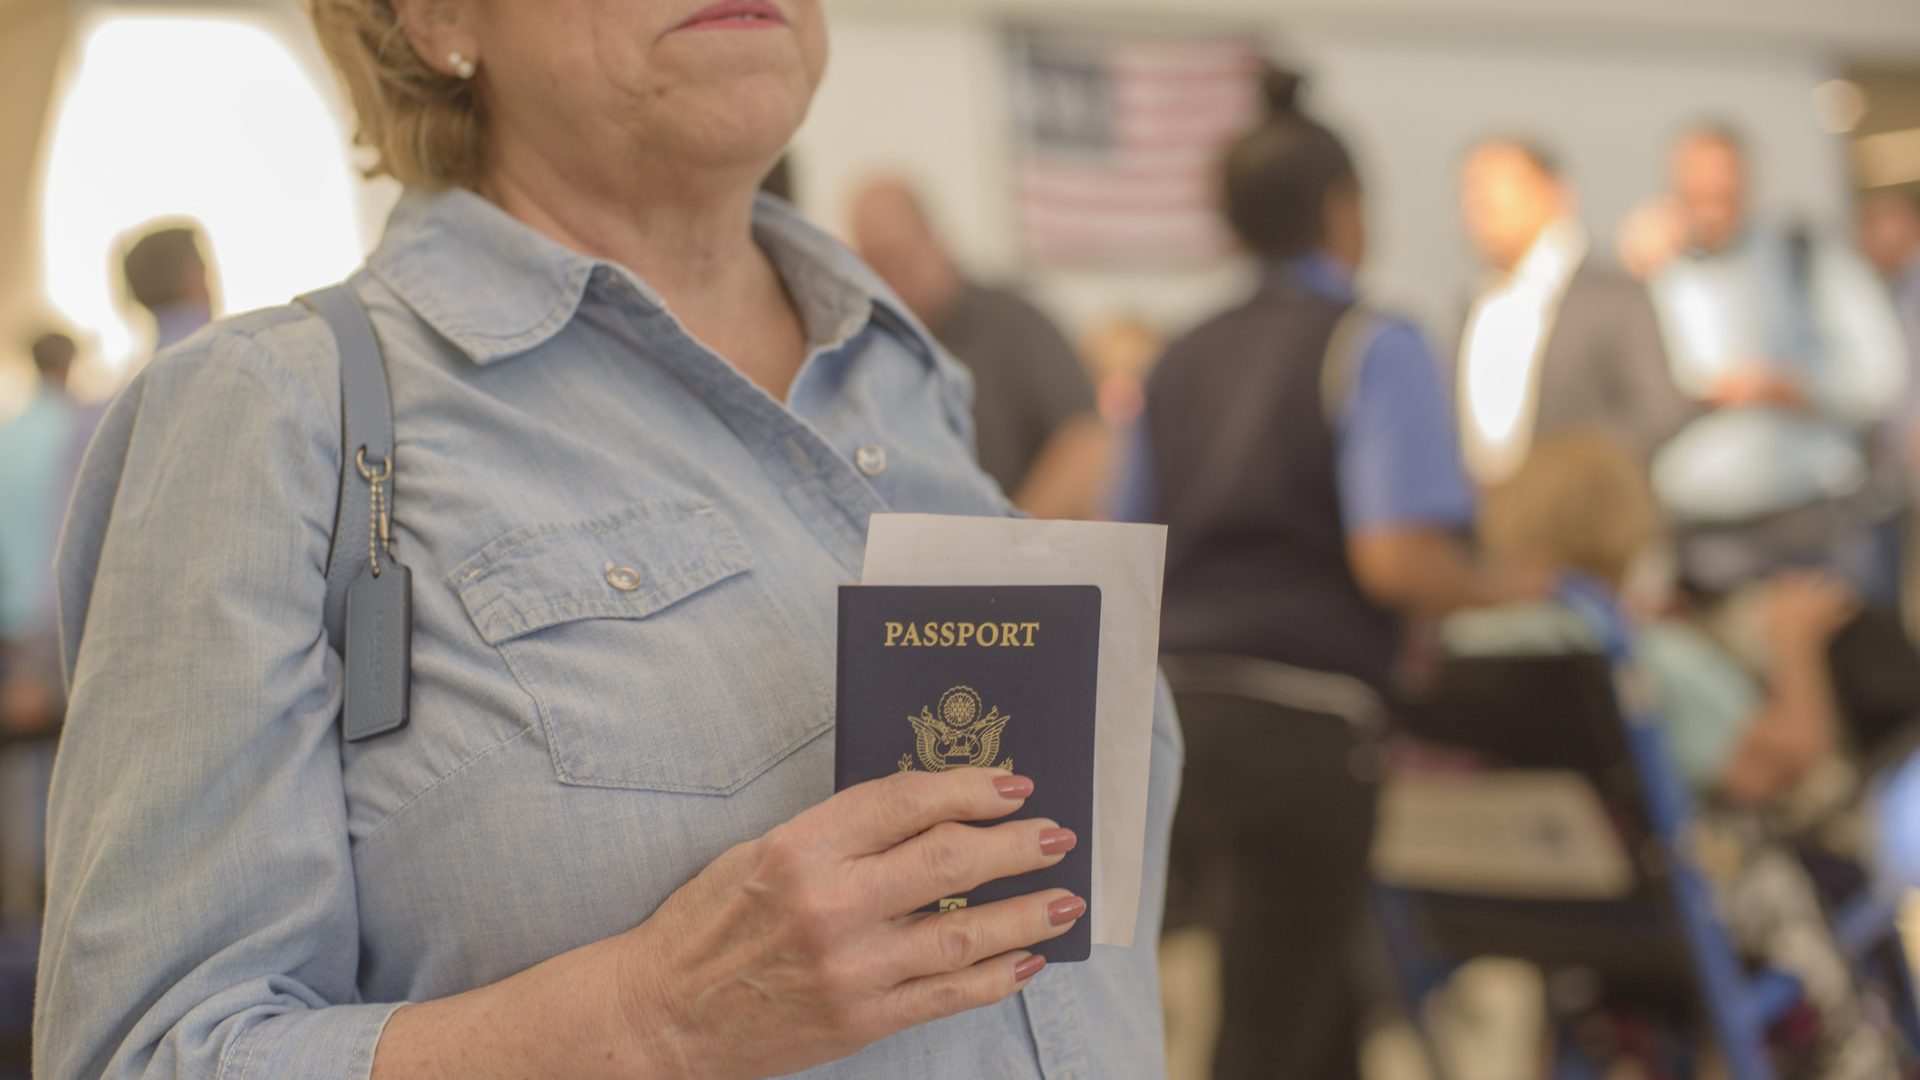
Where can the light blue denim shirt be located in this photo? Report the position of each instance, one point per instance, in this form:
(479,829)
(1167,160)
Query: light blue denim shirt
(235,893)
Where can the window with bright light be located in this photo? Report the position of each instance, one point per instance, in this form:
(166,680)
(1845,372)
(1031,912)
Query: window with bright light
(199,117)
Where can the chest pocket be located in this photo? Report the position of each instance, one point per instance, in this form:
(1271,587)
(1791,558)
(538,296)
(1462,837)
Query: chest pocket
(655,659)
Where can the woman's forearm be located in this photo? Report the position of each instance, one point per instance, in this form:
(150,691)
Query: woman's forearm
(563,1017)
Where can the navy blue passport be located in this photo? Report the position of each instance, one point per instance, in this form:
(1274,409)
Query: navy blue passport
(937,677)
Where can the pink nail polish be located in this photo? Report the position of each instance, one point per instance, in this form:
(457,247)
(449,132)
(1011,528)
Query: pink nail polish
(1062,912)
(1028,968)
(1013,787)
(1057,841)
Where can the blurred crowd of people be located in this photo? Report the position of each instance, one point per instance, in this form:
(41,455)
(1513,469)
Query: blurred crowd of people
(1717,421)
(1717,435)
(1711,418)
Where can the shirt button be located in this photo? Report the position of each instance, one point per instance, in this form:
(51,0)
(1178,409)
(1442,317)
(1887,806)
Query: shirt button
(624,578)
(870,459)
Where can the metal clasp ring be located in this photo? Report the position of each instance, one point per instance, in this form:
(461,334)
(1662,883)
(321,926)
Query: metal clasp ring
(371,477)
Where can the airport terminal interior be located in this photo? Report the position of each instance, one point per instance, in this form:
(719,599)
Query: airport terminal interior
(1526,396)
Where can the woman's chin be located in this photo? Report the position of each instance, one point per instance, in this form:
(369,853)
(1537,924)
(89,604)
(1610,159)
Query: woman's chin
(748,119)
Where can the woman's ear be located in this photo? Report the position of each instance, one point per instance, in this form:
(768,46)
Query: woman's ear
(442,34)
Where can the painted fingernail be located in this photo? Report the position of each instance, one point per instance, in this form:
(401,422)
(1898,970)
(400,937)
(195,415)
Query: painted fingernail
(1028,968)
(1057,841)
(1013,787)
(1062,912)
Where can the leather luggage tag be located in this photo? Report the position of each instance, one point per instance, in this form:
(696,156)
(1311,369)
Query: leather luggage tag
(379,660)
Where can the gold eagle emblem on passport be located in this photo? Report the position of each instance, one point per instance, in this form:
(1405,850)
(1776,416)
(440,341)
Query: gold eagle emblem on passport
(955,735)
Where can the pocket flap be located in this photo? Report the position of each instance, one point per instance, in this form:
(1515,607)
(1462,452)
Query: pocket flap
(627,565)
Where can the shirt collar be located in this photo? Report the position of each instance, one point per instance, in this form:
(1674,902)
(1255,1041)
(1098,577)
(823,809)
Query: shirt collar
(496,288)
(1317,272)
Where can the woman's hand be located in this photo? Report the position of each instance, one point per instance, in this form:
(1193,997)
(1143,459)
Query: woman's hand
(804,945)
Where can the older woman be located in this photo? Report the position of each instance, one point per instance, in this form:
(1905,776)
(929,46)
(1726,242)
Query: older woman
(642,422)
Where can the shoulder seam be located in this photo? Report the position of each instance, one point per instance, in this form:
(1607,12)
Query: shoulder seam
(260,353)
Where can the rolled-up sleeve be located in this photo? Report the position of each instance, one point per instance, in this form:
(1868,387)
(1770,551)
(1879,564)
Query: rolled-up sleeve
(201,915)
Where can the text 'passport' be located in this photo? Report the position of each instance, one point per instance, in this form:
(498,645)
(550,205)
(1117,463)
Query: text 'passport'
(933,678)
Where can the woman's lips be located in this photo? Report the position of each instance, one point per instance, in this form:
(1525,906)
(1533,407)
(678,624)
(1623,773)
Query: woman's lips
(736,15)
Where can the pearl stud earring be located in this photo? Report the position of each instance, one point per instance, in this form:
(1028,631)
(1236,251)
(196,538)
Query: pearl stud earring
(461,66)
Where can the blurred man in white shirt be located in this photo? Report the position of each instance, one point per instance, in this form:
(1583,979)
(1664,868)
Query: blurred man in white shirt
(1554,342)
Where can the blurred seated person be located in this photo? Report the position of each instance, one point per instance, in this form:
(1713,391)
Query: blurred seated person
(1035,423)
(1743,741)
(1581,503)
(166,274)
(1554,342)
(1300,447)
(1788,338)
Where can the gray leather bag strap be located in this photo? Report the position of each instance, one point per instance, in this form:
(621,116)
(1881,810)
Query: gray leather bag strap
(369,605)
(366,420)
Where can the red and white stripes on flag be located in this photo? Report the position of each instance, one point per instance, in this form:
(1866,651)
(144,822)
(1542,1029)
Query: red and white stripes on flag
(1119,139)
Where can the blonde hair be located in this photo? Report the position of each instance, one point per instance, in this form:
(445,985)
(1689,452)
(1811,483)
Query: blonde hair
(1579,501)
(425,127)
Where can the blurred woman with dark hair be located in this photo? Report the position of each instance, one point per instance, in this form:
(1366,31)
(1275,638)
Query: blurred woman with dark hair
(1301,447)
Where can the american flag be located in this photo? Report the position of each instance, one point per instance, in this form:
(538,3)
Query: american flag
(1119,141)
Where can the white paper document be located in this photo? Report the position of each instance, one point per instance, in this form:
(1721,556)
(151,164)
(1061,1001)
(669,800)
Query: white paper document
(1126,562)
